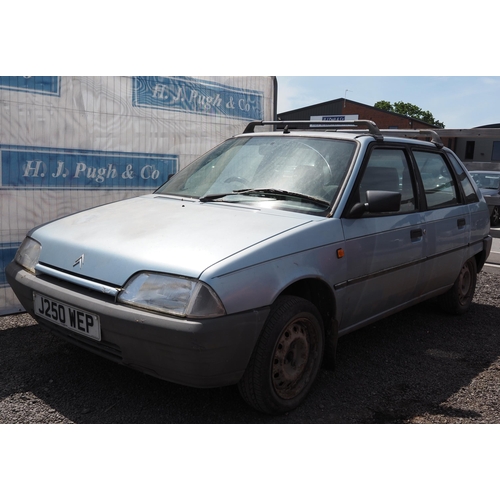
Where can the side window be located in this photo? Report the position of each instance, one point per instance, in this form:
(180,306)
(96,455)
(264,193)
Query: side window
(439,186)
(469,191)
(387,170)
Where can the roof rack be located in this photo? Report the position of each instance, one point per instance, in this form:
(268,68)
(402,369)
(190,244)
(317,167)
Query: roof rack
(436,135)
(370,125)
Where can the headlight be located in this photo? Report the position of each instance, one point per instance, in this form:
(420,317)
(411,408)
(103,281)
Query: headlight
(28,253)
(173,295)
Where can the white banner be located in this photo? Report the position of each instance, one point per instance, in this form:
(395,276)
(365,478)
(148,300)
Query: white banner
(71,143)
(328,119)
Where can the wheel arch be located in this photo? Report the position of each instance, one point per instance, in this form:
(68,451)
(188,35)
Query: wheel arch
(322,296)
(480,260)
(481,256)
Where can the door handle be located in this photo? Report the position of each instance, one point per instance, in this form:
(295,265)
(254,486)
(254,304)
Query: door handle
(415,234)
(461,223)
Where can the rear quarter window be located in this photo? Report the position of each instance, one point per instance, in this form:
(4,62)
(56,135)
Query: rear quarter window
(438,181)
(468,188)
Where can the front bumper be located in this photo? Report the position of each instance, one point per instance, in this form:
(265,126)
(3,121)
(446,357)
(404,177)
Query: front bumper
(199,353)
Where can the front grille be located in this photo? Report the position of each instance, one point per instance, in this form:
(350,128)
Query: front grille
(73,287)
(76,280)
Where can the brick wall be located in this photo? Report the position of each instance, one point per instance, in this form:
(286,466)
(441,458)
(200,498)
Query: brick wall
(383,119)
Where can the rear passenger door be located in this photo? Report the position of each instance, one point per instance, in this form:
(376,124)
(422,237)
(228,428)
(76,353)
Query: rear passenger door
(384,251)
(446,219)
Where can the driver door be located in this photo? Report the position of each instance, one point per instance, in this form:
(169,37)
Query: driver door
(384,251)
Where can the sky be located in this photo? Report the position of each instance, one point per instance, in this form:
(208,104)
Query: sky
(430,57)
(457,101)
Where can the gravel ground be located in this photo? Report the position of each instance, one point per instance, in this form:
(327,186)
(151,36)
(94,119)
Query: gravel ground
(419,366)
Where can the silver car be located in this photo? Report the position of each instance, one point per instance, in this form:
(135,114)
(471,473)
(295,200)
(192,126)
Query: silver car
(489,184)
(248,265)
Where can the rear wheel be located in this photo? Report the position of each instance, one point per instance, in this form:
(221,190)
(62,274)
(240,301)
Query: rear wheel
(286,359)
(495,217)
(458,298)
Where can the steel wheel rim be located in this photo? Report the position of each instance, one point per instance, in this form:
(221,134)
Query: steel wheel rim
(293,358)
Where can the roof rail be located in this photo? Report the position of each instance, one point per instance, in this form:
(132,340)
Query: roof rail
(416,133)
(371,126)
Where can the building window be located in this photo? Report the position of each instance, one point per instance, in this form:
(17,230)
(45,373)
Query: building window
(495,154)
(469,150)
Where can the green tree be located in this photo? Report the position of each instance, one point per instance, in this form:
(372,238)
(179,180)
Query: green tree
(411,110)
(385,105)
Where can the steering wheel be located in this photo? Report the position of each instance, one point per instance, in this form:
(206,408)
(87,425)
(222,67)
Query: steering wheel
(321,156)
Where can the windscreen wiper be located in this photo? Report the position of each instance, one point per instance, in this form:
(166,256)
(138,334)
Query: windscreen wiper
(282,193)
(216,196)
(265,192)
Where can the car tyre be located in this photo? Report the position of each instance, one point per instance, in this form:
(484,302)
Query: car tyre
(286,359)
(495,217)
(458,298)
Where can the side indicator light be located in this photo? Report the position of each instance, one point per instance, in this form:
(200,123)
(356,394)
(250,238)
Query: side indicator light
(340,253)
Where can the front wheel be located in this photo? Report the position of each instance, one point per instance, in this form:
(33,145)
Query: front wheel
(286,359)
(458,298)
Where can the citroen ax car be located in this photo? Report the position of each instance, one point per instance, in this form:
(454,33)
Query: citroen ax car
(489,184)
(248,264)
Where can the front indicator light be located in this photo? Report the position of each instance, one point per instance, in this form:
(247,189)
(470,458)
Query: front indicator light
(28,253)
(172,295)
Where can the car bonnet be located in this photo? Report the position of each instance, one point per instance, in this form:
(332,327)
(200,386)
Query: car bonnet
(155,233)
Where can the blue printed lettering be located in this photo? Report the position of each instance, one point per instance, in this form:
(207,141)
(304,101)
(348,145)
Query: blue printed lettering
(60,170)
(191,95)
(33,171)
(24,167)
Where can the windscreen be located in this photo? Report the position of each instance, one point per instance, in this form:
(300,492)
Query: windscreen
(297,172)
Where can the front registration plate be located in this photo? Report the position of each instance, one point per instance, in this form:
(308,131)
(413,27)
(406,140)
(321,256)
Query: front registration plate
(76,320)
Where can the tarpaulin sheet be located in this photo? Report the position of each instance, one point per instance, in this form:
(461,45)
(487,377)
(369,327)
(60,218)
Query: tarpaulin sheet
(70,143)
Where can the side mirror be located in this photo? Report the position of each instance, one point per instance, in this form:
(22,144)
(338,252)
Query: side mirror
(377,202)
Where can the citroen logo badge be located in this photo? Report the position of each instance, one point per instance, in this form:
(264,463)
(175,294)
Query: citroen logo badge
(79,261)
